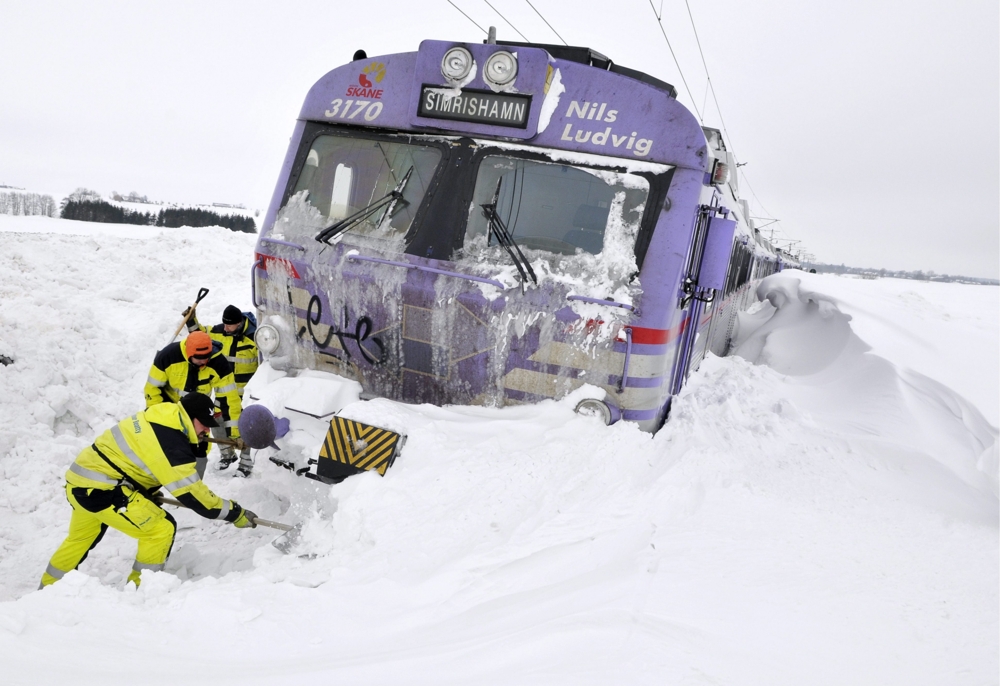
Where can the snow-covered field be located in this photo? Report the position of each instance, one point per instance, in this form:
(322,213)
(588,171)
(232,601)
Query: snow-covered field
(827,515)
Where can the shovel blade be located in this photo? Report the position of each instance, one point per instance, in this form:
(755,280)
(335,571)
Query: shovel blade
(286,541)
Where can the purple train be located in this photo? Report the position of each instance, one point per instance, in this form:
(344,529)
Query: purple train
(502,223)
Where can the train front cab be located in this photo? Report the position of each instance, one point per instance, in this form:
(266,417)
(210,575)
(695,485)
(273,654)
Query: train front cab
(603,182)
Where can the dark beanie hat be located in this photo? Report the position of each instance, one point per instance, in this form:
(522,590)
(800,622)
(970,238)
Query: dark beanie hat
(199,406)
(232,315)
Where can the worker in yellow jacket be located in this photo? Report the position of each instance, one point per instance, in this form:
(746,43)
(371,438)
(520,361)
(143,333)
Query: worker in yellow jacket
(196,365)
(236,336)
(114,483)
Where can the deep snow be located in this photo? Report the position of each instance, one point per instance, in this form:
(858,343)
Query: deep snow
(825,516)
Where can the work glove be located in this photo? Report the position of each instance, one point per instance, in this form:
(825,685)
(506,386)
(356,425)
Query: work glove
(192,323)
(245,520)
(240,445)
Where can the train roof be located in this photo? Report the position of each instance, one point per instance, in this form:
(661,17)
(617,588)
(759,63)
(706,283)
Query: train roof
(560,97)
(592,58)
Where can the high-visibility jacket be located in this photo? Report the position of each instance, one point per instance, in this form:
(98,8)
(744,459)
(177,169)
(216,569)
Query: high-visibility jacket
(151,449)
(239,347)
(173,376)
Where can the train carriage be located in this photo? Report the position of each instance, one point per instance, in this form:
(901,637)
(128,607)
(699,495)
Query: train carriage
(502,223)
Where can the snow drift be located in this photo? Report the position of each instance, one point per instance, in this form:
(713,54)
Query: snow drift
(804,335)
(820,516)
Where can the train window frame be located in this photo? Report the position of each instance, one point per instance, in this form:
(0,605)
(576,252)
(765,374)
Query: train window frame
(314,130)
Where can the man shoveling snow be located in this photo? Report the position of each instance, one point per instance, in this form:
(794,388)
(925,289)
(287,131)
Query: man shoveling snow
(113,482)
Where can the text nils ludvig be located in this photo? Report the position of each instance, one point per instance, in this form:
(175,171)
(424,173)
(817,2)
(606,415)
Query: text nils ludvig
(598,112)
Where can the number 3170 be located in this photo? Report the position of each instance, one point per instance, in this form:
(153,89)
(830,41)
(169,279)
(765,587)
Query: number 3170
(352,108)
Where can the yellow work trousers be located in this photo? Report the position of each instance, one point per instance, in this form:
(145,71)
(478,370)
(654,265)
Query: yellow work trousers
(93,513)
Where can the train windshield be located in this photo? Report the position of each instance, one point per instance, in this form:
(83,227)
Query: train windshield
(557,208)
(343,176)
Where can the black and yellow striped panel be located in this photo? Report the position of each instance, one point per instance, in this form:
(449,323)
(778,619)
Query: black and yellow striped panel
(358,445)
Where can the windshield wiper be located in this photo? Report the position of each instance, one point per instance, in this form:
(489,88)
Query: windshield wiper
(387,201)
(499,230)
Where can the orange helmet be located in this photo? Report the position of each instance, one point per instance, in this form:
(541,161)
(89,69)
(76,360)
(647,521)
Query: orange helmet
(198,343)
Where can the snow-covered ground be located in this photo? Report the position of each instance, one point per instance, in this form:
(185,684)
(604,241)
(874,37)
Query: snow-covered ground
(827,515)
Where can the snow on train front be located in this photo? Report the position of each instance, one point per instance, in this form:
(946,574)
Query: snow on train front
(494,224)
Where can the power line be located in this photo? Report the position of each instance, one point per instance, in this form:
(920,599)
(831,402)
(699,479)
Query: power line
(546,22)
(754,194)
(694,103)
(718,108)
(468,17)
(708,76)
(505,19)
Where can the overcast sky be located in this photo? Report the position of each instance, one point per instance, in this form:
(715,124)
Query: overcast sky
(869,127)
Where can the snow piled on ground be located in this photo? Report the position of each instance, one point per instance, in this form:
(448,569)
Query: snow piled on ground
(820,509)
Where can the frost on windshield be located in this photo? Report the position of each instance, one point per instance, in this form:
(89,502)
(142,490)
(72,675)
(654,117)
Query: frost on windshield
(300,221)
(576,226)
(298,217)
(350,178)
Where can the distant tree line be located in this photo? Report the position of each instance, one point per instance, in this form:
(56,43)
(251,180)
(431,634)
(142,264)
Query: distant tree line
(172,217)
(88,206)
(27,204)
(102,211)
(918,275)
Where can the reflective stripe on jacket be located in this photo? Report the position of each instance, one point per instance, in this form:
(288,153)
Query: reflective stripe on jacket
(152,449)
(239,347)
(173,376)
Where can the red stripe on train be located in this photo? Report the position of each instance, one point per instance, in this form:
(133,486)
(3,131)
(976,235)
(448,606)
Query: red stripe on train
(268,259)
(644,336)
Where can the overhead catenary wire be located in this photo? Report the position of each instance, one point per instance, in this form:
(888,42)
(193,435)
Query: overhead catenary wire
(771,219)
(708,76)
(468,17)
(546,22)
(659,20)
(506,20)
(754,194)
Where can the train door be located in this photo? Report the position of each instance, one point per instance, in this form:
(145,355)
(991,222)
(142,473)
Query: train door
(708,260)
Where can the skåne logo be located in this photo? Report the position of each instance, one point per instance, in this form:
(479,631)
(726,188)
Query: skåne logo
(369,76)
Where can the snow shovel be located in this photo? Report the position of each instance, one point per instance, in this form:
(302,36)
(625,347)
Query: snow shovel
(224,441)
(202,292)
(284,542)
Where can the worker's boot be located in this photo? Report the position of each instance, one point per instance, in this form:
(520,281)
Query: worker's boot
(246,465)
(226,458)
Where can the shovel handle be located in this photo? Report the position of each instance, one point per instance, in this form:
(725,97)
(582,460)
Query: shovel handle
(273,525)
(163,500)
(221,441)
(202,292)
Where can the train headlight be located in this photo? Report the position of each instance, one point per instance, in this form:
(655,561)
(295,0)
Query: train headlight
(720,174)
(456,64)
(501,68)
(607,413)
(267,339)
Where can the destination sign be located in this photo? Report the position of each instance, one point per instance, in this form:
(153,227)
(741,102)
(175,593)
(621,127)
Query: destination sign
(477,106)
